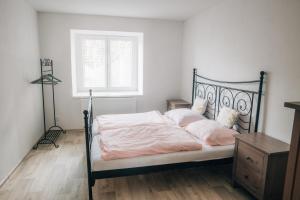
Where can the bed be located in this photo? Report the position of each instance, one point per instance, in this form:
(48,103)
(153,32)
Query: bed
(243,96)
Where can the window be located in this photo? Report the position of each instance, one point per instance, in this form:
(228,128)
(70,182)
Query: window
(110,63)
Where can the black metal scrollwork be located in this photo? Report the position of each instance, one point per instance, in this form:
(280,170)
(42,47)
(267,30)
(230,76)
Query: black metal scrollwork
(219,96)
(208,92)
(226,98)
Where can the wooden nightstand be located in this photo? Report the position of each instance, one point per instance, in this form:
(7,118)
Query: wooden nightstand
(177,103)
(259,165)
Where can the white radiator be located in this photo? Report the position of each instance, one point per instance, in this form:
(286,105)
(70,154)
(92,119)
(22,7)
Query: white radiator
(111,105)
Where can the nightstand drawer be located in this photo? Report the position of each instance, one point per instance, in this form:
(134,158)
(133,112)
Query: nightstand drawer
(249,178)
(176,106)
(250,157)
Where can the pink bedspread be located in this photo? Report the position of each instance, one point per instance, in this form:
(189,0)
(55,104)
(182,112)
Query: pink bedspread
(145,140)
(116,121)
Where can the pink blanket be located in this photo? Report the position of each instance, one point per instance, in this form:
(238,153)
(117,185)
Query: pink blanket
(145,140)
(115,121)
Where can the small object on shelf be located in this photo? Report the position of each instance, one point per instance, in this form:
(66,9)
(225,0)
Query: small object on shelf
(260,164)
(292,179)
(47,78)
(177,103)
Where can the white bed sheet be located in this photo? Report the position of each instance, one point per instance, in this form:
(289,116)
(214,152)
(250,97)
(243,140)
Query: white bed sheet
(207,153)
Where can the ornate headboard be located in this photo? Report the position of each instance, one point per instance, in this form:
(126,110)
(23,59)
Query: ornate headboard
(243,96)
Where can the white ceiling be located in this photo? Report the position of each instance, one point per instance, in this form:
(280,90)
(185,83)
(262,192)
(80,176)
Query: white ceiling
(157,9)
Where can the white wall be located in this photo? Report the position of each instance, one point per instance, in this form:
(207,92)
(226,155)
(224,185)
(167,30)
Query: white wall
(162,62)
(236,39)
(21,111)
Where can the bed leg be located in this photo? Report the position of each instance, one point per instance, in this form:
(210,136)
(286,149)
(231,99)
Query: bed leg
(90,192)
(93,182)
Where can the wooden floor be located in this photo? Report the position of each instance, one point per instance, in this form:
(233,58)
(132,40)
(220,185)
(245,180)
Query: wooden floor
(50,173)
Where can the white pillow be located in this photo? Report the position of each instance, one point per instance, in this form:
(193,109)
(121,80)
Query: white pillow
(211,132)
(183,116)
(227,117)
(200,105)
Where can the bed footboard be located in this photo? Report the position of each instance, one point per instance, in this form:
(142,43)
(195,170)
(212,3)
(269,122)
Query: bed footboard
(88,124)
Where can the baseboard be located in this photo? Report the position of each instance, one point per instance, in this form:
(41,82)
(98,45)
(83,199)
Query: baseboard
(13,169)
(74,130)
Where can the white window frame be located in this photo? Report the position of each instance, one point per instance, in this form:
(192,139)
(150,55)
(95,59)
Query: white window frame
(138,40)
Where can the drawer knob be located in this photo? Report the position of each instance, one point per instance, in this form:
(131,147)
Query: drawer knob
(246,176)
(249,159)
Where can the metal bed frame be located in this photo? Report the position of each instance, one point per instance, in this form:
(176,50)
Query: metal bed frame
(218,94)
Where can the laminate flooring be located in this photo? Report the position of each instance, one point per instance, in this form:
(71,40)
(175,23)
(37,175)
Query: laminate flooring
(60,174)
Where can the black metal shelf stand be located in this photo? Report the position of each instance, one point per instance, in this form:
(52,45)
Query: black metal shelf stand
(47,78)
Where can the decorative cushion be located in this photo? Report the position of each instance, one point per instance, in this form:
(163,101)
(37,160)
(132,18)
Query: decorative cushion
(227,117)
(199,105)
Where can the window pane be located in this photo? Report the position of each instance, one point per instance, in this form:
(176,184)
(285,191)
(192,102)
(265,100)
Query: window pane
(121,66)
(93,61)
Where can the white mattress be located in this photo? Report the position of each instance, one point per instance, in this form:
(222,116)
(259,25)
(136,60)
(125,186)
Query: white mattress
(207,153)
